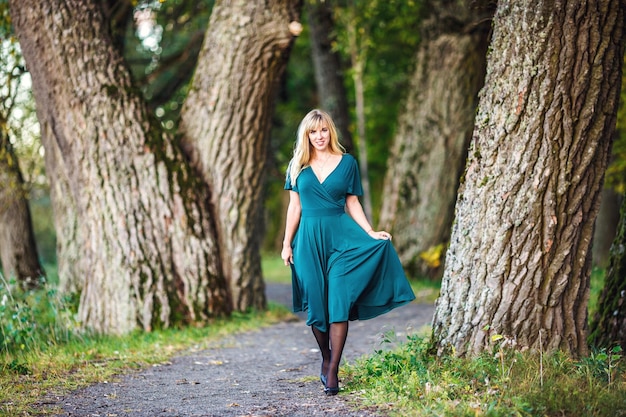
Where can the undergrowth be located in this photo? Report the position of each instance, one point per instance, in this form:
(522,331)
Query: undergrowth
(34,319)
(410,381)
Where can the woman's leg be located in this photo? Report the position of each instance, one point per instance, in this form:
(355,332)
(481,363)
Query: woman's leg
(338,335)
(323,343)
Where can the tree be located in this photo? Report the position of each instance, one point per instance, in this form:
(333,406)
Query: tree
(226,121)
(358,43)
(378,39)
(519,258)
(328,68)
(18,252)
(434,130)
(137,223)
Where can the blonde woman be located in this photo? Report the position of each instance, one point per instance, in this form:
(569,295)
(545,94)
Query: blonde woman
(341,268)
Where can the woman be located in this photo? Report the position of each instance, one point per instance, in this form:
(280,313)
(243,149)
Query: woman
(341,268)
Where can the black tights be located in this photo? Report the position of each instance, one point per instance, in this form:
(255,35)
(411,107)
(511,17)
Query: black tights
(331,346)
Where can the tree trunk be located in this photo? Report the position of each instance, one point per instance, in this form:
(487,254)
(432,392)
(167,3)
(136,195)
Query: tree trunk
(520,257)
(226,122)
(434,131)
(66,217)
(608,327)
(18,251)
(143,229)
(328,70)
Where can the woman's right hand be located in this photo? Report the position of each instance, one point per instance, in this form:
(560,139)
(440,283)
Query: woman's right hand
(287,255)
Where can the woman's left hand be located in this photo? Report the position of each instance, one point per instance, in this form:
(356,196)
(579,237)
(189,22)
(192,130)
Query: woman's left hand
(380,235)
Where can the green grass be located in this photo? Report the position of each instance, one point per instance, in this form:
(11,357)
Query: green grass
(410,381)
(274,270)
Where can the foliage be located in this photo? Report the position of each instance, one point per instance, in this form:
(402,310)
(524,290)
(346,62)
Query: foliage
(18,119)
(5,20)
(503,382)
(34,320)
(161,45)
(387,43)
(433,255)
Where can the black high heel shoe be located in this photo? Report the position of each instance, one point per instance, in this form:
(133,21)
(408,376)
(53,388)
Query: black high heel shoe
(329,391)
(323,377)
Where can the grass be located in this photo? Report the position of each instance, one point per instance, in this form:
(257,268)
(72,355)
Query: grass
(410,381)
(274,270)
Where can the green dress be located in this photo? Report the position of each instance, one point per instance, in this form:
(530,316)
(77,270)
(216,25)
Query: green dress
(339,272)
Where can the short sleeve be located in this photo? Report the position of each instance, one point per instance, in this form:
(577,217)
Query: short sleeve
(288,185)
(354,178)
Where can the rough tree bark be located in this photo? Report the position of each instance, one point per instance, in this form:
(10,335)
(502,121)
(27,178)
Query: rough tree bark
(434,131)
(226,121)
(328,70)
(147,252)
(608,327)
(18,251)
(519,258)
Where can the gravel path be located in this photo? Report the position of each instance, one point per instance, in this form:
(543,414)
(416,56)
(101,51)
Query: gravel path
(269,372)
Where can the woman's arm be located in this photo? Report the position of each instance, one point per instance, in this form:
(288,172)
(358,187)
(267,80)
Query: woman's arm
(355,210)
(291,225)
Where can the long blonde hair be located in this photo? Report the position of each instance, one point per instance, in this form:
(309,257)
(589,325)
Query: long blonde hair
(302,149)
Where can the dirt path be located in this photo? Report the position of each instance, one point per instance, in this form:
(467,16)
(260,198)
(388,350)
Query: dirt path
(269,372)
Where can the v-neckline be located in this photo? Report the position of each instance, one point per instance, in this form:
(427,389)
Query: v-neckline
(329,174)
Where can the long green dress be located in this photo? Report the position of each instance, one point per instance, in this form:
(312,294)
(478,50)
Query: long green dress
(339,272)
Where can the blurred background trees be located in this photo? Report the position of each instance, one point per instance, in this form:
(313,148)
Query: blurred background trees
(19,256)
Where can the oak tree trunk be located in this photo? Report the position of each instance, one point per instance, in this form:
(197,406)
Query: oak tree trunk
(608,327)
(226,122)
(328,69)
(145,242)
(520,257)
(434,131)
(18,251)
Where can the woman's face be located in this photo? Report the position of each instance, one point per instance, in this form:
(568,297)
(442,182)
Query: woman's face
(319,137)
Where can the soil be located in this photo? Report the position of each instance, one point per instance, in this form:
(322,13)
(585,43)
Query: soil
(272,371)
